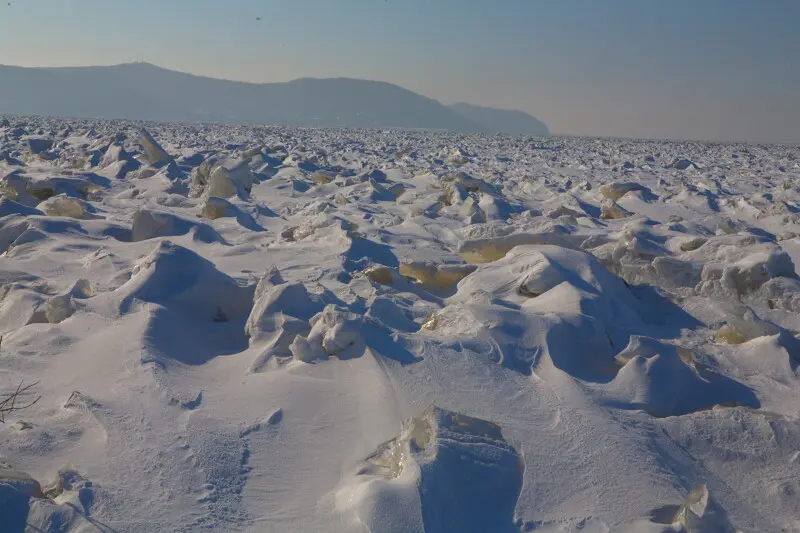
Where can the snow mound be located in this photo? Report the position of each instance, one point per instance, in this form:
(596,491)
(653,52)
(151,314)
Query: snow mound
(663,380)
(177,278)
(445,472)
(20,306)
(527,273)
(10,207)
(148,224)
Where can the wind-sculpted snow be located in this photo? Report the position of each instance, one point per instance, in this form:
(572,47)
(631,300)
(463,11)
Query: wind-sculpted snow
(459,471)
(242,328)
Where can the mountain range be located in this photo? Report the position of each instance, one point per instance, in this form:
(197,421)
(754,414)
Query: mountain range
(143,91)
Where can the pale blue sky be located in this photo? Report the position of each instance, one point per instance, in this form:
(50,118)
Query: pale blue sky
(708,69)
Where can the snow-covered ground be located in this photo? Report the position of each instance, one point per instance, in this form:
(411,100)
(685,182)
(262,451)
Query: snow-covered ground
(271,330)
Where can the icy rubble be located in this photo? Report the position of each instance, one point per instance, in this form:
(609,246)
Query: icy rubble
(746,275)
(699,513)
(37,145)
(65,506)
(611,210)
(60,307)
(601,300)
(223,177)
(436,277)
(215,207)
(116,155)
(333,332)
(481,251)
(226,182)
(614,191)
(64,206)
(276,299)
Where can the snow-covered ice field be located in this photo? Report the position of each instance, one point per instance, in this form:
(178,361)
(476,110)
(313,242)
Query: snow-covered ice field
(270,330)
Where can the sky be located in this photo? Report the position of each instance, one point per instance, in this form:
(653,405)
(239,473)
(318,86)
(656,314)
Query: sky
(686,69)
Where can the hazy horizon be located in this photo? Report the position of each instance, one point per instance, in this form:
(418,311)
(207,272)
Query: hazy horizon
(716,70)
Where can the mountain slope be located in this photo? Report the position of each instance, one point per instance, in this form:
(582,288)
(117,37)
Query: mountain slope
(502,120)
(147,92)
(144,91)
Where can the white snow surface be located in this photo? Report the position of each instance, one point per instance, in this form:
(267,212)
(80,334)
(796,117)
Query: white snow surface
(271,329)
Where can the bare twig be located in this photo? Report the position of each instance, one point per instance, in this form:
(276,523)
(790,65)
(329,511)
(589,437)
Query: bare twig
(9,404)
